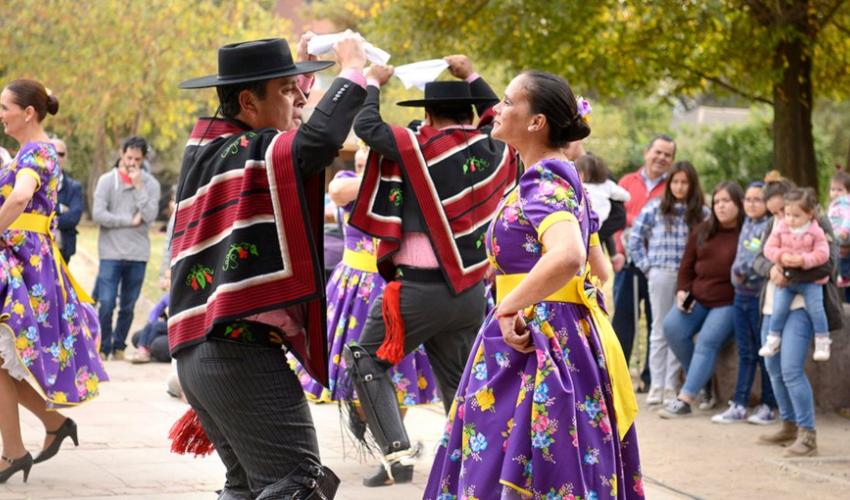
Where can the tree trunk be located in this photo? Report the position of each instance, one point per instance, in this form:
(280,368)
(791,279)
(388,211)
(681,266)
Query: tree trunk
(793,140)
(99,160)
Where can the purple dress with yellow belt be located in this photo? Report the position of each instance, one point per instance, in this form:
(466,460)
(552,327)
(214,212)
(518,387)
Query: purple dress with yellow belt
(48,336)
(543,424)
(354,285)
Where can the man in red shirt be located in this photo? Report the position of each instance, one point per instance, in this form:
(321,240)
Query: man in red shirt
(644,184)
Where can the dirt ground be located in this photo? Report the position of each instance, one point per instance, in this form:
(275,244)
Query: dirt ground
(700,459)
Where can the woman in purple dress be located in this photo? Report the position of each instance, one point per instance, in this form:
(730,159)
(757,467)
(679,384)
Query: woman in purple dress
(48,336)
(545,407)
(354,285)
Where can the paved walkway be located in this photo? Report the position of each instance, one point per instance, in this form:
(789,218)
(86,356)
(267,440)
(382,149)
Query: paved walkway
(124,452)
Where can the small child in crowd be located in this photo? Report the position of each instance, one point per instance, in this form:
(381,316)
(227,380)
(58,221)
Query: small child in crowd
(601,189)
(798,242)
(839,216)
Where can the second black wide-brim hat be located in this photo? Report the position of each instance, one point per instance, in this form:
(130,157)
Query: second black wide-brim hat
(254,61)
(449,92)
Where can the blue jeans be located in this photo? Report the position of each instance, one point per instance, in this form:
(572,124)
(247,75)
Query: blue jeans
(624,321)
(715,327)
(813,295)
(150,332)
(748,338)
(787,370)
(844,267)
(129,275)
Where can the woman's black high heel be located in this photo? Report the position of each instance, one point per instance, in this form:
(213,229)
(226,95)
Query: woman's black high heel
(24,463)
(67,429)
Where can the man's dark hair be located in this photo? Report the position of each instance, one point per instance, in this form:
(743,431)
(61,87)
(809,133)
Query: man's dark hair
(661,137)
(461,114)
(228,96)
(135,142)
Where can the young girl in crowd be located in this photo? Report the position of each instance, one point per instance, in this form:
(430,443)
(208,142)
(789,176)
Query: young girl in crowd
(656,243)
(600,188)
(839,216)
(798,242)
(748,285)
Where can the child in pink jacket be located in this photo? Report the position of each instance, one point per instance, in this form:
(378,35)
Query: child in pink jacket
(798,241)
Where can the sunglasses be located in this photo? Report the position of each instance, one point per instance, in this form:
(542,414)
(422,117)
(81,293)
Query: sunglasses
(61,153)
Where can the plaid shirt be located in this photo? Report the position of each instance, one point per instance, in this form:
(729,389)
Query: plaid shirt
(653,243)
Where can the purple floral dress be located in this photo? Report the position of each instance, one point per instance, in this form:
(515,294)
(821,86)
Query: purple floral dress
(46,334)
(350,294)
(537,425)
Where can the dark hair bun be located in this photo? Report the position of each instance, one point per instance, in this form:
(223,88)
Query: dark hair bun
(578,130)
(52,104)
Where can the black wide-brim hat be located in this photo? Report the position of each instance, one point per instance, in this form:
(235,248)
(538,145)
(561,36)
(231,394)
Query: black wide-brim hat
(449,92)
(255,61)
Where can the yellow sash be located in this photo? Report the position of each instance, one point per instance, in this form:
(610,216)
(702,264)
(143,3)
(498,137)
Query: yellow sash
(38,223)
(360,261)
(625,403)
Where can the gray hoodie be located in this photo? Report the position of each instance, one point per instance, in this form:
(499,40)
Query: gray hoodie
(115,205)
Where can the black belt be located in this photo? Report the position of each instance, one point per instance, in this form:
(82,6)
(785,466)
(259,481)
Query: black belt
(247,333)
(407,273)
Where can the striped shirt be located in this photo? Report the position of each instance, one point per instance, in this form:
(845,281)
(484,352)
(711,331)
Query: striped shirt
(655,243)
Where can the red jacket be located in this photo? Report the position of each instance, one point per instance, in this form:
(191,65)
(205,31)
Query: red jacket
(635,185)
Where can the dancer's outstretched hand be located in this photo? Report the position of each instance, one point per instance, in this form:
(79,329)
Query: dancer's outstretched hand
(459,65)
(380,73)
(302,53)
(349,51)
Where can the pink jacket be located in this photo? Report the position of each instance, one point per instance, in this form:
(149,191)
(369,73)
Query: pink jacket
(810,244)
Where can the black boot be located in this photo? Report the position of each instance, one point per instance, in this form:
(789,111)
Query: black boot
(401,474)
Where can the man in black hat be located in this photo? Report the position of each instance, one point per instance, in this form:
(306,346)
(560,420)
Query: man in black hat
(429,194)
(246,263)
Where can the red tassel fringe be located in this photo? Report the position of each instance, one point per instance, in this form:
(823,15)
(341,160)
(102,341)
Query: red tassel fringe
(392,349)
(188,436)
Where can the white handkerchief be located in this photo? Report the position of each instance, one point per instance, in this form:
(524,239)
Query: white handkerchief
(322,44)
(420,73)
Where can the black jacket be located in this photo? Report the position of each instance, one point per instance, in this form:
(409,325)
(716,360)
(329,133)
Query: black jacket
(71,196)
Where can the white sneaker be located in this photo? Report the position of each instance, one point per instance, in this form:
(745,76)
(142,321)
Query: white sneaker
(734,414)
(706,400)
(669,395)
(655,396)
(771,346)
(821,348)
(763,415)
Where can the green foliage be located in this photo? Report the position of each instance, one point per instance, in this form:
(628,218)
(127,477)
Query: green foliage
(616,48)
(742,153)
(621,129)
(115,66)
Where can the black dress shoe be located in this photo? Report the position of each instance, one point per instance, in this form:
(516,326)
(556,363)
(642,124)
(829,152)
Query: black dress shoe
(401,474)
(67,429)
(24,463)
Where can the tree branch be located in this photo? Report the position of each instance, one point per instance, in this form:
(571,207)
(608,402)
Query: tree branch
(831,14)
(840,27)
(722,83)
